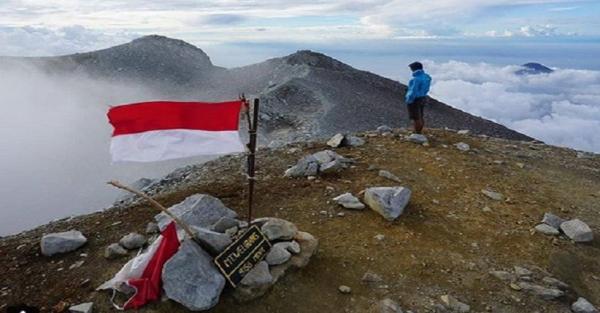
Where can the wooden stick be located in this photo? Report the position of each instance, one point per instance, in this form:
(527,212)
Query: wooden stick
(157,205)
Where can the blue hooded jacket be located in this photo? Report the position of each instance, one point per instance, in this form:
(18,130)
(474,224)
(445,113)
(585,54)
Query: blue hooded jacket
(418,86)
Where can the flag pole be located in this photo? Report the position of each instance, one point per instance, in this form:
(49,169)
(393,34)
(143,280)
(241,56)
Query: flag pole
(252,128)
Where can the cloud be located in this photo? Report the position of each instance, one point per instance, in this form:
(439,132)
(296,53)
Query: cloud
(221,19)
(561,108)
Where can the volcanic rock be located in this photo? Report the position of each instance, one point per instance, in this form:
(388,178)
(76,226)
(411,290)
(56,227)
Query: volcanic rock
(132,241)
(552,220)
(56,243)
(577,230)
(278,229)
(348,201)
(114,251)
(213,241)
(389,202)
(198,210)
(583,306)
(417,138)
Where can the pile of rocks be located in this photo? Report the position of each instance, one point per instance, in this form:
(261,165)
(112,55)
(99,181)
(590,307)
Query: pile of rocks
(341,140)
(322,162)
(389,202)
(131,241)
(574,229)
(192,279)
(523,279)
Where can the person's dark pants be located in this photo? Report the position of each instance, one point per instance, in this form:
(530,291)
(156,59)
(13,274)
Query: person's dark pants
(415,113)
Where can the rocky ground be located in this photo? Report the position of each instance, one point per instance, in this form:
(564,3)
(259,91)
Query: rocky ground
(453,243)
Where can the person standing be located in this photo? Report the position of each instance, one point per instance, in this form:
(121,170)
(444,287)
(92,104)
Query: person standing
(416,95)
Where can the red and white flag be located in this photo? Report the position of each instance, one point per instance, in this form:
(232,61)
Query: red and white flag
(163,130)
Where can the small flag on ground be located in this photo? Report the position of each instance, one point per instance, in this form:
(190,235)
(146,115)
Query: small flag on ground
(161,130)
(143,273)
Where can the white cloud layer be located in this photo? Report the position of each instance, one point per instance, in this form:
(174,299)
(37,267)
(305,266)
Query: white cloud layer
(561,108)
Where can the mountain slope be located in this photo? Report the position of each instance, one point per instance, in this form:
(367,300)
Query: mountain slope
(304,95)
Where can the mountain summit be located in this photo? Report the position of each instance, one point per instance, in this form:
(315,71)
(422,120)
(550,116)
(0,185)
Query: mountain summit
(305,94)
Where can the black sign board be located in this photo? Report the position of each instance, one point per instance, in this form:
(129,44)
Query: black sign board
(243,254)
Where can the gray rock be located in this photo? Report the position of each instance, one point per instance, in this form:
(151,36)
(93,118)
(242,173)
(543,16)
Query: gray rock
(139,184)
(132,241)
(552,220)
(325,156)
(503,275)
(198,210)
(258,276)
(546,230)
(370,277)
(348,201)
(291,246)
(521,271)
(344,289)
(384,129)
(390,176)
(585,155)
(152,228)
(388,305)
(389,202)
(336,140)
(278,255)
(191,278)
(540,291)
(332,167)
(577,230)
(213,241)
(454,305)
(417,138)
(224,223)
(307,166)
(583,306)
(278,229)
(353,141)
(63,242)
(462,146)
(114,251)
(464,132)
(553,282)
(493,195)
(82,308)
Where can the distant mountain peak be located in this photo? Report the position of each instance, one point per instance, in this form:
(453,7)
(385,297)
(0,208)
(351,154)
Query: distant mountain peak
(315,59)
(533,68)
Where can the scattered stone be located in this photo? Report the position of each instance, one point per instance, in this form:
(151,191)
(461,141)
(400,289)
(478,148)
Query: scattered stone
(577,230)
(63,242)
(370,277)
(82,308)
(224,223)
(503,275)
(486,209)
(379,237)
(546,230)
(552,220)
(464,132)
(341,214)
(583,306)
(520,165)
(191,278)
(344,289)
(388,305)
(197,210)
(585,155)
(336,140)
(515,287)
(278,255)
(291,246)
(492,194)
(132,241)
(540,291)
(417,138)
(152,228)
(258,276)
(353,141)
(390,176)
(462,146)
(389,202)
(307,166)
(76,264)
(211,240)
(553,282)
(323,162)
(276,228)
(454,305)
(521,271)
(348,201)
(384,129)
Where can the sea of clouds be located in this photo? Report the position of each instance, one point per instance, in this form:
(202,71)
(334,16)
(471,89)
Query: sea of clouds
(561,108)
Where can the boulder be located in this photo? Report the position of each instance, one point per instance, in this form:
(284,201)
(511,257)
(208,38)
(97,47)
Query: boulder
(307,166)
(492,194)
(552,220)
(336,141)
(82,308)
(417,138)
(278,255)
(291,246)
(198,210)
(152,228)
(353,141)
(384,129)
(583,306)
(546,230)
(63,242)
(577,230)
(224,223)
(139,184)
(540,291)
(348,201)
(278,229)
(325,161)
(370,277)
(114,251)
(389,202)
(132,241)
(462,146)
(213,241)
(191,278)
(332,167)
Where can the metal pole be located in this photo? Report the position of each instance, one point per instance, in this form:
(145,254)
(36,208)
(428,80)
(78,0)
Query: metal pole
(252,128)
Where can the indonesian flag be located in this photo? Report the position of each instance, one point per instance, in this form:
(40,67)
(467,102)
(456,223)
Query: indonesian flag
(143,273)
(161,130)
